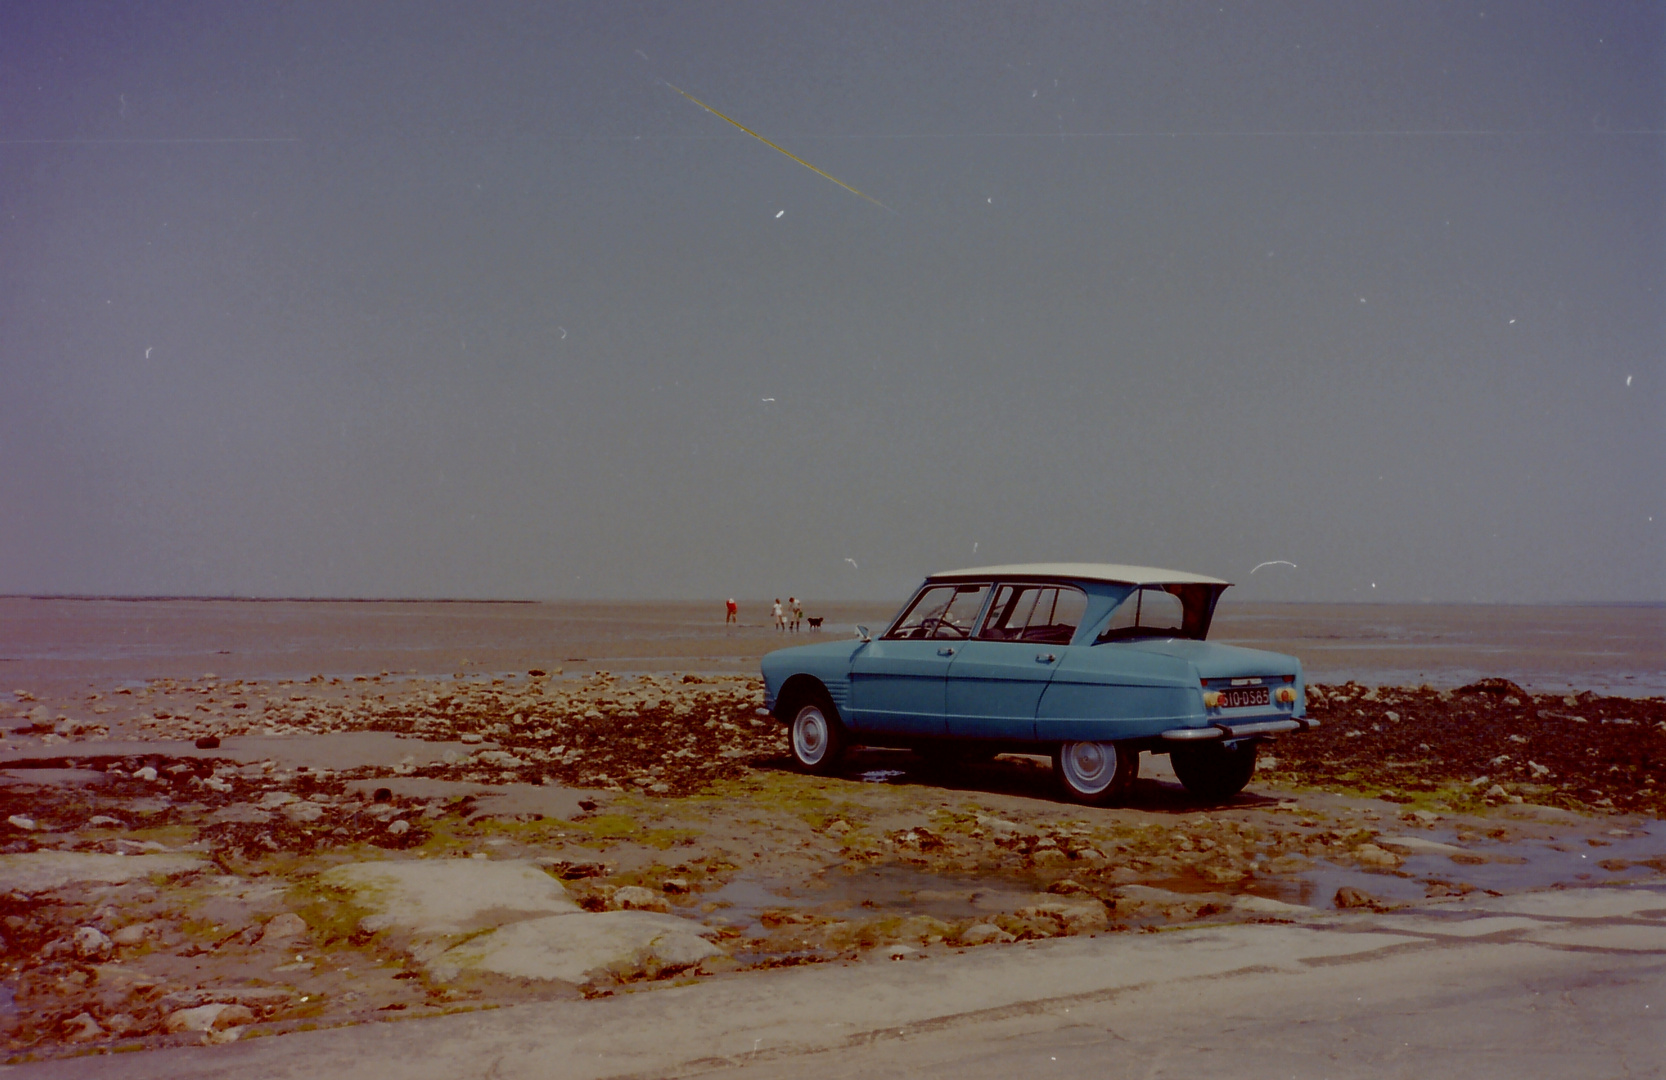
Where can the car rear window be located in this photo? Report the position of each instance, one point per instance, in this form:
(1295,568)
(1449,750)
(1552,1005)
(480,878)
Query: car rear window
(1042,614)
(1159,611)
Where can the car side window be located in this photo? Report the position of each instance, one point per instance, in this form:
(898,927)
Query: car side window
(942,611)
(1146,612)
(1040,614)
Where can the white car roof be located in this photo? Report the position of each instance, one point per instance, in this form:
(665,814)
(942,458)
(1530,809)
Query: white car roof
(1117,572)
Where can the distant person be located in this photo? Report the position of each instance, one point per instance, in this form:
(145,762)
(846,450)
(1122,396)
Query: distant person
(797,610)
(731,613)
(780,620)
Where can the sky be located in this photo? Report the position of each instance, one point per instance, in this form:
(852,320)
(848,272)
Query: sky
(465,300)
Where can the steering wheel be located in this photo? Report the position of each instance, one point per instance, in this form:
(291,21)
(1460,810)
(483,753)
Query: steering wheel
(943,627)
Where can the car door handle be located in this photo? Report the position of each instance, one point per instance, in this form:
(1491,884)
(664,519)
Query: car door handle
(1045,658)
(945,651)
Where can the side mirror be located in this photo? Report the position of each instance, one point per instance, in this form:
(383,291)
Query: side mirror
(862,632)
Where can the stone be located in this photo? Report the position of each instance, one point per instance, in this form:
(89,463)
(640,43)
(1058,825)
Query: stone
(242,813)
(450,896)
(131,934)
(636,898)
(18,821)
(983,933)
(303,813)
(998,826)
(44,871)
(272,800)
(148,773)
(838,828)
(399,827)
(1349,897)
(82,1028)
(896,952)
(1076,914)
(215,1016)
(281,929)
(674,885)
(1497,792)
(1372,855)
(1261,905)
(574,948)
(123,1024)
(105,821)
(208,742)
(91,943)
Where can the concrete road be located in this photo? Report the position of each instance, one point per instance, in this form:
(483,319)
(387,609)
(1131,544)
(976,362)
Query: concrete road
(1568,983)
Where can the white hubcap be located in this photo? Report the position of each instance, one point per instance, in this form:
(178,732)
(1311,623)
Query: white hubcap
(1089,767)
(809,735)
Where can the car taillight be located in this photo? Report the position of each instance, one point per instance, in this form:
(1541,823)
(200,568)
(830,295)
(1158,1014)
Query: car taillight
(1287,696)
(1211,699)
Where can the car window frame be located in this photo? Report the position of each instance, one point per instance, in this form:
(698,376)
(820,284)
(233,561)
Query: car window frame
(1019,583)
(908,609)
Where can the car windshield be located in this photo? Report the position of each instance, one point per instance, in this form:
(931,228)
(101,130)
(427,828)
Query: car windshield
(1044,614)
(941,611)
(1161,611)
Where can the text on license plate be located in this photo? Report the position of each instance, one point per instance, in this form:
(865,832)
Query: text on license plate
(1249,695)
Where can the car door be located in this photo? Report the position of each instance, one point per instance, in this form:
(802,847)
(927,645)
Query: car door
(897,681)
(996,680)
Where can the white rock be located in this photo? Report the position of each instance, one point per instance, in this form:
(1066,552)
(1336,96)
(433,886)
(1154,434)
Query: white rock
(636,898)
(102,821)
(274,799)
(45,871)
(91,943)
(21,822)
(281,929)
(450,896)
(131,934)
(211,1017)
(570,948)
(982,933)
(148,773)
(82,1028)
(399,827)
(303,813)
(1372,855)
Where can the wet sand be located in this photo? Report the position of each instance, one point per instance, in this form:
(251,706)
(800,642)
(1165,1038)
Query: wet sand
(1608,649)
(158,891)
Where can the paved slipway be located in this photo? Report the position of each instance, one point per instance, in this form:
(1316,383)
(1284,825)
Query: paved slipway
(1558,983)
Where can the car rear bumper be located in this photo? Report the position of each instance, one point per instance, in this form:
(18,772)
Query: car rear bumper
(1247,729)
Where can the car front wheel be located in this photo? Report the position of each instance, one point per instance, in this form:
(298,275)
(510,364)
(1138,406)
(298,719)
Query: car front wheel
(1095,773)
(818,740)
(1214,773)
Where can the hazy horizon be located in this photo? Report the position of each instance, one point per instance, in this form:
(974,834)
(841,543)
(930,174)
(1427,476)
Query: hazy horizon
(466,302)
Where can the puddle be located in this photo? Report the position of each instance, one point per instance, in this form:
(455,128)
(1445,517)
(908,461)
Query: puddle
(1509,867)
(864,892)
(880,776)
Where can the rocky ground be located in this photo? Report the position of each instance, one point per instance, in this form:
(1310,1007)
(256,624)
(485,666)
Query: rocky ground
(203,861)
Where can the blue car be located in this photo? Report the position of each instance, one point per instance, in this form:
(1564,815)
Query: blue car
(1091,663)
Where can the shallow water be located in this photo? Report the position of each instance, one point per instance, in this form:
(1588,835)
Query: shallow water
(1552,648)
(1510,866)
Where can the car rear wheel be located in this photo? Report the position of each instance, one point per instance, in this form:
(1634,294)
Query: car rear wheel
(1214,773)
(817,737)
(1095,773)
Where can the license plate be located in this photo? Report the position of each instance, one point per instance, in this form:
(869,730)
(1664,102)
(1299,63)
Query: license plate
(1242,699)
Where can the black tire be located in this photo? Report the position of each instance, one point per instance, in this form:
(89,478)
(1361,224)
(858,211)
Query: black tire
(1095,773)
(1214,773)
(815,736)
